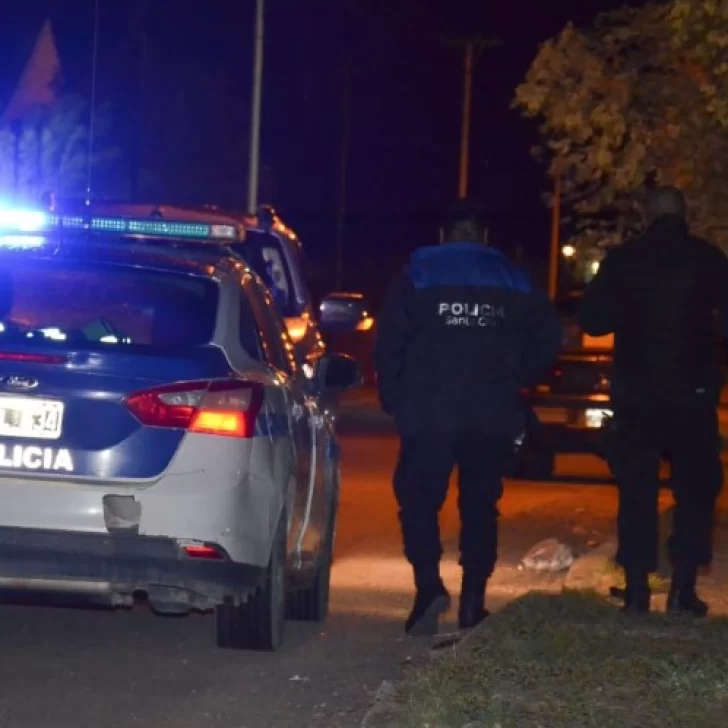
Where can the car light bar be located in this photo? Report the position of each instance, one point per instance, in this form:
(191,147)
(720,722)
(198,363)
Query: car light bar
(33,221)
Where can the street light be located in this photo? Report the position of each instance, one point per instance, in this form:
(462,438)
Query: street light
(568,251)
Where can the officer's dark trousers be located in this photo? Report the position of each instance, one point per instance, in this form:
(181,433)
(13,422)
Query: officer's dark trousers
(421,485)
(688,435)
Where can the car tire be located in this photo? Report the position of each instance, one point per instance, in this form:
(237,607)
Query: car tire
(312,604)
(259,624)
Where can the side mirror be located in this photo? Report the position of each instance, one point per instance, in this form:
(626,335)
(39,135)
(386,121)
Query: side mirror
(345,312)
(336,373)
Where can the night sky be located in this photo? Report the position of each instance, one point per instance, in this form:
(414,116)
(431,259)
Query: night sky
(406,93)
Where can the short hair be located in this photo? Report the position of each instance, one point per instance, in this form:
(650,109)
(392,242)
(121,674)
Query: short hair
(465,219)
(663,201)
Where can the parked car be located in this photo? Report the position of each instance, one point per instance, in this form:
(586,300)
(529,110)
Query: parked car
(572,403)
(157,433)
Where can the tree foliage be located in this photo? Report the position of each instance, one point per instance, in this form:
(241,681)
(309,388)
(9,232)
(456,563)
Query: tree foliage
(700,33)
(623,104)
(48,151)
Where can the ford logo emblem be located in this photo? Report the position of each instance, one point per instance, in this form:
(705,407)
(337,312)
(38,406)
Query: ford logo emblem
(19,383)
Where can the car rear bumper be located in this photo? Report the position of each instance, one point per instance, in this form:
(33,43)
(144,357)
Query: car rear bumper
(571,429)
(573,440)
(118,567)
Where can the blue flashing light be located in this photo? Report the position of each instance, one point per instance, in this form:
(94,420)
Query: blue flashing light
(147,228)
(23,221)
(20,222)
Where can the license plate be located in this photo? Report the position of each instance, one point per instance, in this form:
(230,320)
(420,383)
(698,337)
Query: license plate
(38,419)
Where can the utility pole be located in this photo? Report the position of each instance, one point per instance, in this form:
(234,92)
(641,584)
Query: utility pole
(139,29)
(343,172)
(555,236)
(256,105)
(92,108)
(472,48)
(467,114)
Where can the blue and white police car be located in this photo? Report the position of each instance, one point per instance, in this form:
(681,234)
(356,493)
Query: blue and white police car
(158,437)
(275,252)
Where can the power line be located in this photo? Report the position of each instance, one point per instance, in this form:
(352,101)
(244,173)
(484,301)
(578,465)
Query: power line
(92,109)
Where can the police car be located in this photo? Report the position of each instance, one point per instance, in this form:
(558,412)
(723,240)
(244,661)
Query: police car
(275,252)
(158,436)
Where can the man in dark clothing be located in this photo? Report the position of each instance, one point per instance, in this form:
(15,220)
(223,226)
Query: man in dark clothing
(461,332)
(659,295)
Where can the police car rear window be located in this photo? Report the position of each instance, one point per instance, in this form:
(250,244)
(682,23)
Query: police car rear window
(94,305)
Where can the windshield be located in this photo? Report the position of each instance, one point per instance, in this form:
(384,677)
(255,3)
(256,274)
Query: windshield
(101,305)
(265,255)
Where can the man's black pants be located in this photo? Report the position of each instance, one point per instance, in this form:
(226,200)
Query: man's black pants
(421,484)
(688,436)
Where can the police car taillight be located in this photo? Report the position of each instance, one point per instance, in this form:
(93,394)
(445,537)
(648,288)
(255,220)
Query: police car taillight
(222,407)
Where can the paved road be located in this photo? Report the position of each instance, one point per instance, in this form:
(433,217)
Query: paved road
(86,668)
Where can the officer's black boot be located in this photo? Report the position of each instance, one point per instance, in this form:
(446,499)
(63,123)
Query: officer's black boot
(431,601)
(682,597)
(637,592)
(472,603)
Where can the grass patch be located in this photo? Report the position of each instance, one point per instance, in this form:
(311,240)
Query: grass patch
(574,661)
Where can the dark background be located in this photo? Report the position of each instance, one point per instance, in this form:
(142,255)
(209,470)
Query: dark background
(177,74)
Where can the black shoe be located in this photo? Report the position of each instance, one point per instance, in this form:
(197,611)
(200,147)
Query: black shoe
(682,597)
(430,603)
(637,604)
(637,594)
(472,610)
(686,602)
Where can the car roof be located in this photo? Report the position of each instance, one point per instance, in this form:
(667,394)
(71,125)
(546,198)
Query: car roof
(168,255)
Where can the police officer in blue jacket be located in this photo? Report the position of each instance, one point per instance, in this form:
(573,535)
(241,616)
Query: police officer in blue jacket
(462,331)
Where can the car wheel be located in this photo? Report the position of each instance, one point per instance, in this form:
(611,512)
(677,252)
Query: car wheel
(259,624)
(312,604)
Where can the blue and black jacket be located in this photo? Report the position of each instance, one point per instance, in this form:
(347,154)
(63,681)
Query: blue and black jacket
(462,331)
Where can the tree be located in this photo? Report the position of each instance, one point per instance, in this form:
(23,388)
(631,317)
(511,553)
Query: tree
(620,109)
(700,32)
(48,151)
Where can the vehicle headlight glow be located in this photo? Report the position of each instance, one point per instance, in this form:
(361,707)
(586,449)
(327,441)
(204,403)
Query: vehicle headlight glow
(594,418)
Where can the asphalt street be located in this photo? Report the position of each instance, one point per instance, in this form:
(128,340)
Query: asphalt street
(85,668)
